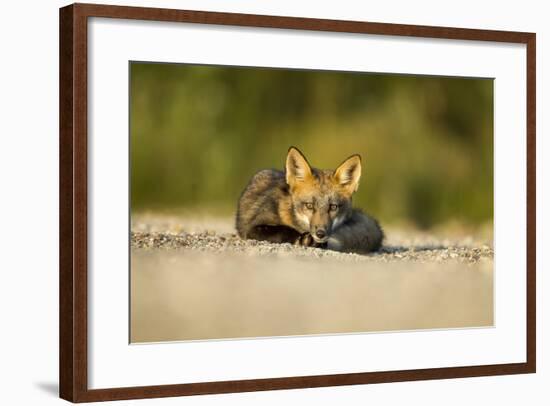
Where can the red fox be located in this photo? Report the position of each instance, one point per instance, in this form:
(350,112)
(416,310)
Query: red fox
(308,206)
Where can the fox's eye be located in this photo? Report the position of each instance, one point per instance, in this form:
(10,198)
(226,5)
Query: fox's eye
(333,207)
(309,206)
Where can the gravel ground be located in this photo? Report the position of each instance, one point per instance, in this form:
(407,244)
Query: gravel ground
(193,279)
(214,235)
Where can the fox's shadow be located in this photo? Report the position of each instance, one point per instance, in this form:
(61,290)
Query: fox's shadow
(396,249)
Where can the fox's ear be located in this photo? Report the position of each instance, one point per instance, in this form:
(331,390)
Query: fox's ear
(297,167)
(348,173)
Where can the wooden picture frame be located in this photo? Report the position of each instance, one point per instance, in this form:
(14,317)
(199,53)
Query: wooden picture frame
(73,280)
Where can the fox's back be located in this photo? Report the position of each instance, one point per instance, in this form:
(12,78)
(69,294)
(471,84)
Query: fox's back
(260,201)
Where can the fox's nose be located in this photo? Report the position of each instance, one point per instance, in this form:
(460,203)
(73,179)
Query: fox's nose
(320,233)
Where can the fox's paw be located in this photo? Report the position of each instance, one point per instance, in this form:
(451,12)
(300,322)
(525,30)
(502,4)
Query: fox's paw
(306,240)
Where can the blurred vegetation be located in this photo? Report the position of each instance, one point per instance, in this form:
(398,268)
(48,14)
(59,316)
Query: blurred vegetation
(198,133)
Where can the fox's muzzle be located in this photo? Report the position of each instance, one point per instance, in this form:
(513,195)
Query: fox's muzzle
(320,226)
(320,234)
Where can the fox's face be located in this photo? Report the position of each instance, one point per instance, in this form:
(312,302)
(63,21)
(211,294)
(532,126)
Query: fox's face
(321,199)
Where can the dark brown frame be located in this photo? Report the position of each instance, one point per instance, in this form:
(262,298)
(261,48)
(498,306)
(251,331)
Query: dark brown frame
(73,202)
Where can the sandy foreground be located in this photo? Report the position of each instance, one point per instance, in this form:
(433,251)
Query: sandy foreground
(196,280)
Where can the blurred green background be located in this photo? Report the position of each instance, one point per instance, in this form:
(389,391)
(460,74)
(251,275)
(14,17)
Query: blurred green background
(198,133)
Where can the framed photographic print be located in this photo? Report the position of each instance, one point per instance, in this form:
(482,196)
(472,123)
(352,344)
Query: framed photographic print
(255,202)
